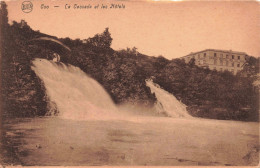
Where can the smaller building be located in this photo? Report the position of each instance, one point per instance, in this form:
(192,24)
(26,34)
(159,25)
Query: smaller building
(220,60)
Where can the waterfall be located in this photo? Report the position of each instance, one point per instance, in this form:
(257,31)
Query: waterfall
(76,95)
(166,102)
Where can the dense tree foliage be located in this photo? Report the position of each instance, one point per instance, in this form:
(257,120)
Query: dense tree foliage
(23,93)
(208,94)
(118,72)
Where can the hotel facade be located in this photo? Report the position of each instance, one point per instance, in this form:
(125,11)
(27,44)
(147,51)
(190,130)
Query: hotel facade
(220,60)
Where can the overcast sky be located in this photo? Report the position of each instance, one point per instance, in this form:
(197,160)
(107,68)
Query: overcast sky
(171,29)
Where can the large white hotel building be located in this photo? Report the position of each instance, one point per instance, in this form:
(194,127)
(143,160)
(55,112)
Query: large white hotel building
(220,60)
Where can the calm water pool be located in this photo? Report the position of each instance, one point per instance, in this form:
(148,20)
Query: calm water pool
(134,141)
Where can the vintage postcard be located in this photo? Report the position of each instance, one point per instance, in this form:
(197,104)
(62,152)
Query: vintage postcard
(129,83)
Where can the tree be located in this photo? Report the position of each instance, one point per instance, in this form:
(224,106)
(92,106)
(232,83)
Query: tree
(103,40)
(3,35)
(4,15)
(251,67)
(106,36)
(129,52)
(3,23)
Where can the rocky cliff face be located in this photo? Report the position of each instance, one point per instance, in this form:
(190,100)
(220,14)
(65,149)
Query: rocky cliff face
(23,93)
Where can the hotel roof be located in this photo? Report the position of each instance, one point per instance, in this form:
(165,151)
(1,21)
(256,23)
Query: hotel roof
(217,50)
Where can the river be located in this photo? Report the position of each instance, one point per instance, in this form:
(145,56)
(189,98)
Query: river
(136,140)
(91,130)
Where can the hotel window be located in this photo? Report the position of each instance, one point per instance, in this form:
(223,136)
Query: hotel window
(238,65)
(221,62)
(205,54)
(227,55)
(233,57)
(226,63)
(215,61)
(238,57)
(215,54)
(232,64)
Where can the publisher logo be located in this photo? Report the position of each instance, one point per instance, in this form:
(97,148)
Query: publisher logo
(27,6)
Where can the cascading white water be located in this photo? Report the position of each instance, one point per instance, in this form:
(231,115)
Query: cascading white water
(76,95)
(167,102)
(79,97)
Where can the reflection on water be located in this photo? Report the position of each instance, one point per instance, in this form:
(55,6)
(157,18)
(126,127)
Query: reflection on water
(150,141)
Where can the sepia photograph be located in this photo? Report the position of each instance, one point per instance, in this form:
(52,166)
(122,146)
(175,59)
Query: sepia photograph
(129,83)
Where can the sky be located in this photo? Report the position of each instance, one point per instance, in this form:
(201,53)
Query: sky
(171,29)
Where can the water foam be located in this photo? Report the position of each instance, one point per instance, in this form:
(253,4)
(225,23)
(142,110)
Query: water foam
(79,97)
(76,95)
(167,103)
